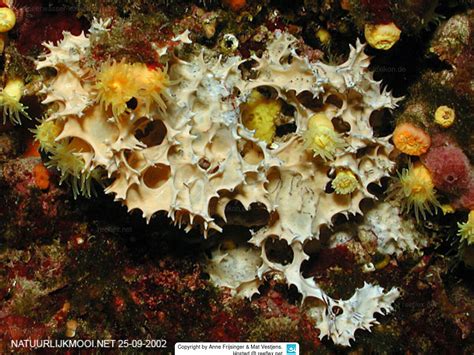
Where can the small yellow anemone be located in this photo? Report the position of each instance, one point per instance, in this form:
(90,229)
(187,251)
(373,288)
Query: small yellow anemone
(260,114)
(466,229)
(116,86)
(119,83)
(65,158)
(447,209)
(45,133)
(323,36)
(7,19)
(10,98)
(321,137)
(444,116)
(382,36)
(151,84)
(415,190)
(345,182)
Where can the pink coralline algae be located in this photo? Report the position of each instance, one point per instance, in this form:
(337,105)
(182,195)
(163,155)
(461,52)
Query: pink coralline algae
(449,168)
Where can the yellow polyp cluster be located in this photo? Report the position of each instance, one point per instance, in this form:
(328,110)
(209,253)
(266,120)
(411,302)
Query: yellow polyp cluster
(10,98)
(63,155)
(118,83)
(7,19)
(260,114)
(115,84)
(321,137)
(65,158)
(444,116)
(151,84)
(466,229)
(415,191)
(45,133)
(345,182)
(382,36)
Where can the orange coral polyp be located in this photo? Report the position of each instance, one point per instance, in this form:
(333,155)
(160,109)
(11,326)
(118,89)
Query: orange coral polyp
(411,140)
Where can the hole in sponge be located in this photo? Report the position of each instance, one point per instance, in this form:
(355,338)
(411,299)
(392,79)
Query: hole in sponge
(285,129)
(336,310)
(278,251)
(156,176)
(256,215)
(381,122)
(340,125)
(450,178)
(334,100)
(153,133)
(250,151)
(307,100)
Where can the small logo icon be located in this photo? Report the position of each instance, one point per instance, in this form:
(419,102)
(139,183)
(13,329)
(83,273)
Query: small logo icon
(291,349)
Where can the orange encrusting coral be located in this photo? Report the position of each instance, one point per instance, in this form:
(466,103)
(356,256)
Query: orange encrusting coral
(41,176)
(236,5)
(410,139)
(32,148)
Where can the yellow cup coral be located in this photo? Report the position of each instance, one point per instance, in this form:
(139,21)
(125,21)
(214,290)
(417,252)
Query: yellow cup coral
(410,139)
(7,19)
(116,86)
(119,83)
(382,36)
(45,133)
(260,114)
(444,116)
(323,36)
(151,84)
(321,137)
(466,229)
(345,182)
(10,98)
(447,209)
(415,191)
(65,158)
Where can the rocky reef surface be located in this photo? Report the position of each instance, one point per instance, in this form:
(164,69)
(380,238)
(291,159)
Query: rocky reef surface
(291,171)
